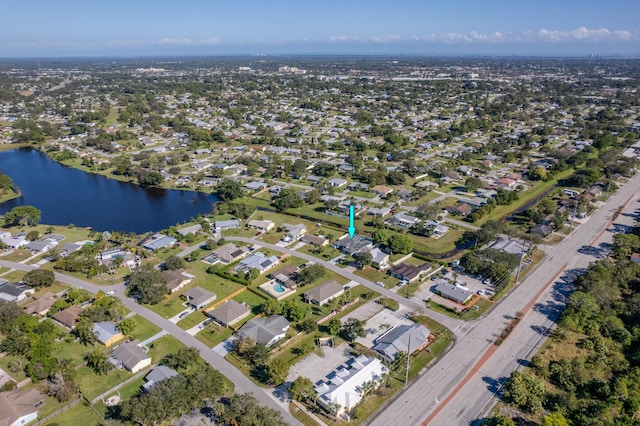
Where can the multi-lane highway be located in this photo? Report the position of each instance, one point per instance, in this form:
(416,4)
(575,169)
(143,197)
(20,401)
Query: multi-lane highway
(462,385)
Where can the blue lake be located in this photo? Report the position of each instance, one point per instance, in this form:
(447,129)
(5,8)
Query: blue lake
(66,195)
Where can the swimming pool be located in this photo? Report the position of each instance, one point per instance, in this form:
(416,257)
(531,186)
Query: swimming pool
(278,288)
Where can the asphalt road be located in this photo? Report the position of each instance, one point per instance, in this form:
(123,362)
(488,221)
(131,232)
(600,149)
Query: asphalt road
(241,382)
(433,391)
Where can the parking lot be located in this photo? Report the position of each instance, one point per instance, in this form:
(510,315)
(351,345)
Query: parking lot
(316,367)
(381,322)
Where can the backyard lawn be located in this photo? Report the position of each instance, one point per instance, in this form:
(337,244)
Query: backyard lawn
(72,416)
(93,385)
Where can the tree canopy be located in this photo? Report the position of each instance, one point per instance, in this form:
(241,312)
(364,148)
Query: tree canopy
(146,283)
(22,215)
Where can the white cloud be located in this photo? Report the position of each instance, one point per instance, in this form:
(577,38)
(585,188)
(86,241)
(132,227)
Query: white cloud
(544,35)
(165,41)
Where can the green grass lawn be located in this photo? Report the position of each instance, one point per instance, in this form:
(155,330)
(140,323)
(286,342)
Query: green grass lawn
(192,320)
(213,334)
(144,328)
(250,299)
(74,350)
(301,415)
(468,314)
(169,307)
(430,196)
(372,274)
(50,405)
(164,345)
(18,376)
(7,194)
(526,196)
(443,244)
(17,255)
(239,232)
(93,385)
(72,416)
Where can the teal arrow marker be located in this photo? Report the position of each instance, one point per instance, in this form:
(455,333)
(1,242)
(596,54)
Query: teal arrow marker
(352,228)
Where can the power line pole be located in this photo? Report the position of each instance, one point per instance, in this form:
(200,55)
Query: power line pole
(406,373)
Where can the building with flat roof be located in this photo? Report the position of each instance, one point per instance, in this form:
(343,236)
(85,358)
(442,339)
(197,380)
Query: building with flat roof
(342,388)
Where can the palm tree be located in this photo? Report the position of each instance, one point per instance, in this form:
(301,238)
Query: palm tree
(97,360)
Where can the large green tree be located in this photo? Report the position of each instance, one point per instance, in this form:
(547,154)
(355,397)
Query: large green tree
(229,190)
(39,278)
(146,283)
(22,215)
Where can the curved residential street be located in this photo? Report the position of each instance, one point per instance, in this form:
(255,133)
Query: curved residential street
(241,382)
(462,386)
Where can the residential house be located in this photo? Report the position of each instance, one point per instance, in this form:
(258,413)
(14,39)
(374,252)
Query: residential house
(402,338)
(541,229)
(314,240)
(68,316)
(486,193)
(130,356)
(41,246)
(509,246)
(176,279)
(343,387)
(15,292)
(199,298)
(323,293)
(379,211)
(337,182)
(286,276)
(437,229)
(255,186)
(158,375)
(406,195)
(354,245)
(261,225)
(410,273)
(19,407)
(15,241)
(635,258)
(41,304)
(402,220)
(294,232)
(69,248)
(107,333)
(228,253)
(258,261)
(506,183)
(314,179)
(462,209)
(358,186)
(189,230)
(223,225)
(382,190)
(158,241)
(453,292)
(229,313)
(379,259)
(265,330)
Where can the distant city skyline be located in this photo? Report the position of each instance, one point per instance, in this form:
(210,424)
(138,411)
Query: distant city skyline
(464,27)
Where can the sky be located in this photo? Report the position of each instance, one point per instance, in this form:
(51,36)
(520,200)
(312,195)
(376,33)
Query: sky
(72,28)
